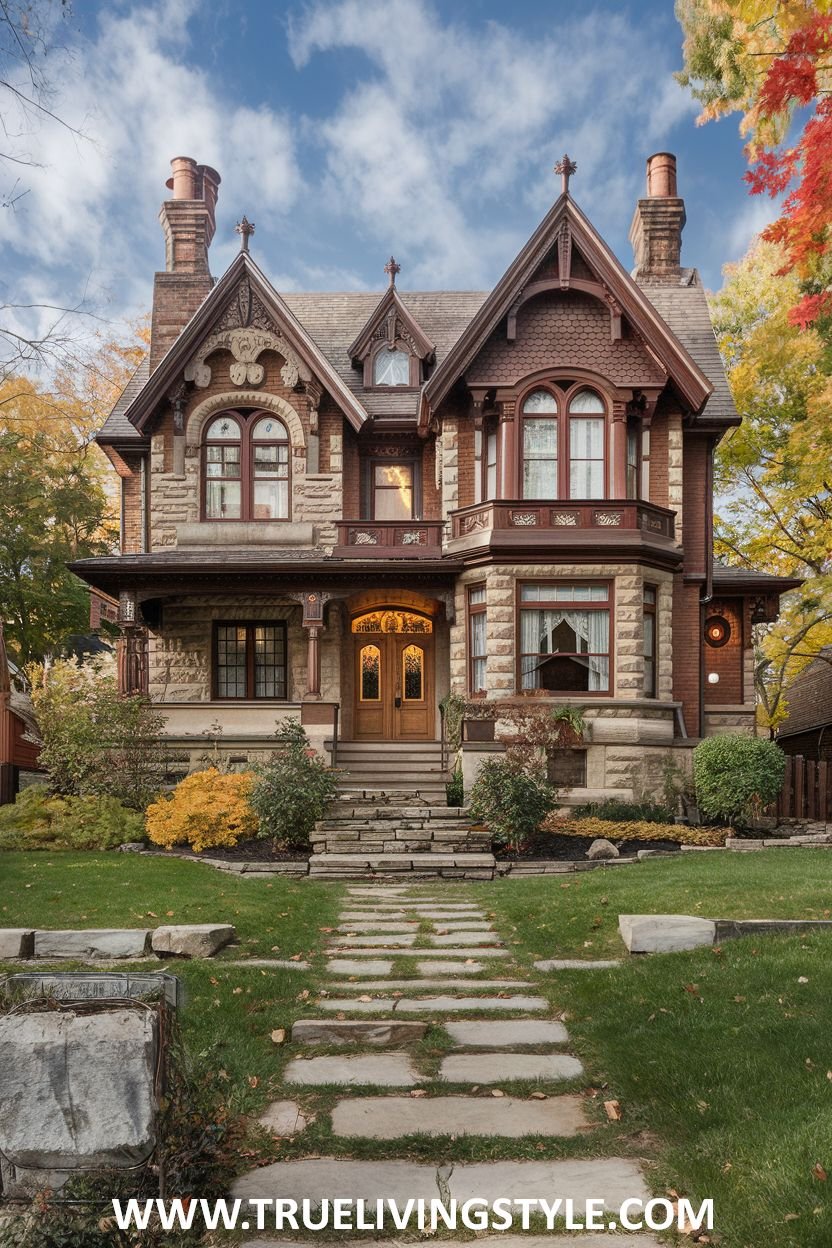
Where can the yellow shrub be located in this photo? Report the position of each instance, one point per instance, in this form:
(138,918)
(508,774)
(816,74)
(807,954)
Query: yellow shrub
(206,809)
(635,830)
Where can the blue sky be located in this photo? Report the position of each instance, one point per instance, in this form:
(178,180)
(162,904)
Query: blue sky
(347,129)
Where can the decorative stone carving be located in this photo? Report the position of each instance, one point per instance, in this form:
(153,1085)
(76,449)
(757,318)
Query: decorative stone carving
(523,519)
(246,345)
(565,519)
(607,519)
(470,524)
(414,537)
(364,537)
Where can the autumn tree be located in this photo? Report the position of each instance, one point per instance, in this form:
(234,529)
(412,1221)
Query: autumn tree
(774,494)
(773,63)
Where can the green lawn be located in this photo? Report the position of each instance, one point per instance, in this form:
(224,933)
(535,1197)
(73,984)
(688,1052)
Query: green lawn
(721,1059)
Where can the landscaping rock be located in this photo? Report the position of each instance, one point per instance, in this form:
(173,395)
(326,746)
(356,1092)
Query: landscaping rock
(390,1117)
(492,1067)
(283,1119)
(16,942)
(506,1033)
(602,848)
(384,1070)
(192,940)
(385,1031)
(94,943)
(132,847)
(77,1090)
(665,933)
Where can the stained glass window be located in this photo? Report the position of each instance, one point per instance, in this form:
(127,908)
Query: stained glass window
(370,668)
(392,622)
(413,661)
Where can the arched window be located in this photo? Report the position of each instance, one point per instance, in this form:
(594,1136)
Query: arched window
(223,469)
(270,469)
(391,368)
(587,437)
(246,467)
(540,445)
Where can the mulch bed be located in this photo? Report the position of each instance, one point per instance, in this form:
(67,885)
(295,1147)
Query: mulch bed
(248,851)
(573,848)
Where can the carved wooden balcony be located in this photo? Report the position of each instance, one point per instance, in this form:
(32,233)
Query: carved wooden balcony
(389,539)
(582,525)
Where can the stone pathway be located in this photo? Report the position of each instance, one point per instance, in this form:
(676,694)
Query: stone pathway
(478,1058)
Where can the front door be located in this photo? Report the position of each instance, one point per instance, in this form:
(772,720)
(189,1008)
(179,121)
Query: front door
(394,657)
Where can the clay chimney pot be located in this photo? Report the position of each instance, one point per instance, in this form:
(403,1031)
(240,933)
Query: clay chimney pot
(661,176)
(183,182)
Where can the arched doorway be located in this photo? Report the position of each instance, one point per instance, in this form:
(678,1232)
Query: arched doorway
(394,660)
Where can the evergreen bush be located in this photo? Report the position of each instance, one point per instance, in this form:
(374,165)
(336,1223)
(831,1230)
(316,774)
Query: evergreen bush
(292,791)
(737,776)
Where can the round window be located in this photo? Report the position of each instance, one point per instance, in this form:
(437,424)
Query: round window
(717,631)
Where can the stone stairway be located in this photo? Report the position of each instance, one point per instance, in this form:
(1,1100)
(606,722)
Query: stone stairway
(411,767)
(482,1057)
(381,837)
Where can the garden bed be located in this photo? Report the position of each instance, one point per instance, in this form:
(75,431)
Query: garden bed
(252,850)
(554,848)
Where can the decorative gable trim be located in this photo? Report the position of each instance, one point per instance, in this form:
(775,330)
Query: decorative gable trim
(245,315)
(564,228)
(390,321)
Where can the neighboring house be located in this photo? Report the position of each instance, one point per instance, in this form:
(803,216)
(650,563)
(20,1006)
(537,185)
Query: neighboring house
(808,728)
(19,737)
(340,507)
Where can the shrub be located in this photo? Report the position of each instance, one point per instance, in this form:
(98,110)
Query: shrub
(455,788)
(539,732)
(43,820)
(292,791)
(94,741)
(737,776)
(205,810)
(625,812)
(637,830)
(510,803)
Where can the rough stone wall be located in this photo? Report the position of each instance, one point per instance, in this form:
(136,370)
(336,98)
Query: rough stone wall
(448,451)
(175,498)
(675,465)
(562,331)
(180,650)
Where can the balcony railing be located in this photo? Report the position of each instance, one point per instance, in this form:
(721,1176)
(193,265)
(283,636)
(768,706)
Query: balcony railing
(531,523)
(389,539)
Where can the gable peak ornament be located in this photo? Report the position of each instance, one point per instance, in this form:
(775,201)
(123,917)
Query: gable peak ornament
(245,229)
(565,167)
(392,268)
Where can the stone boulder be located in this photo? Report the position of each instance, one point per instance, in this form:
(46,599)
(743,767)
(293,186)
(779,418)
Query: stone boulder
(600,849)
(94,943)
(665,933)
(192,940)
(77,1090)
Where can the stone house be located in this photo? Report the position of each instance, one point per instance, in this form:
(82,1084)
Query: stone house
(340,507)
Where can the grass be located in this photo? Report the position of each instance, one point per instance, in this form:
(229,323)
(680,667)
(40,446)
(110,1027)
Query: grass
(230,1011)
(721,1059)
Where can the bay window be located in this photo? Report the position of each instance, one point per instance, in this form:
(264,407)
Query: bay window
(565,637)
(649,648)
(564,444)
(477,646)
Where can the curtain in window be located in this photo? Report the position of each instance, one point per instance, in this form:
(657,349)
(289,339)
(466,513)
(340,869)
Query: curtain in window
(591,631)
(586,453)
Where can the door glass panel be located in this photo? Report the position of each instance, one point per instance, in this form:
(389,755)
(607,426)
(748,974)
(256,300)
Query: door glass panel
(393,491)
(413,663)
(370,668)
(392,622)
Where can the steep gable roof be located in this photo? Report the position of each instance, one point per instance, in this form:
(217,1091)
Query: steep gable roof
(390,308)
(809,697)
(158,385)
(686,374)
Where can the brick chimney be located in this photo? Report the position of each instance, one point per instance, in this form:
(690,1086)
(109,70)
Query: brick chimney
(188,223)
(656,231)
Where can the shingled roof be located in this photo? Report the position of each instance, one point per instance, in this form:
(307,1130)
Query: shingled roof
(809,697)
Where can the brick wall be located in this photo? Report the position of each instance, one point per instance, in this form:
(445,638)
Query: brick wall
(176,296)
(686,651)
(132,538)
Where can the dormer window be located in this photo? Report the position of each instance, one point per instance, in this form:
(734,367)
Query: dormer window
(391,368)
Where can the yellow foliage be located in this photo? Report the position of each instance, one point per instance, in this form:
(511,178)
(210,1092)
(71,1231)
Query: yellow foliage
(635,830)
(206,809)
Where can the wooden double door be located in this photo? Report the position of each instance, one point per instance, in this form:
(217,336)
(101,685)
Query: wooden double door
(394,677)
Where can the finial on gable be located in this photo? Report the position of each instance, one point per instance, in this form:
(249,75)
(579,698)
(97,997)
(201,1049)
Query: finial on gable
(391,268)
(245,229)
(565,167)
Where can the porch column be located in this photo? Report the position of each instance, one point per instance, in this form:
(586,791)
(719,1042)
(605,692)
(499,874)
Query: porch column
(618,450)
(313,603)
(131,648)
(646,422)
(507,487)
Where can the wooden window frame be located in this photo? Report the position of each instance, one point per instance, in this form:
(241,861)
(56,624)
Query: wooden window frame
(245,421)
(472,609)
(369,465)
(567,605)
(651,609)
(249,626)
(415,379)
(563,398)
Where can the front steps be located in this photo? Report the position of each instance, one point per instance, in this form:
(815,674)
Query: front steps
(368,768)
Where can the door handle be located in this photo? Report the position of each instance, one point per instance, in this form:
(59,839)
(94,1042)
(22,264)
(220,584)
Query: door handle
(398,704)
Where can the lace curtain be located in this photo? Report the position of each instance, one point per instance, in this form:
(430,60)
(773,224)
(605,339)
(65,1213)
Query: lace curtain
(592,638)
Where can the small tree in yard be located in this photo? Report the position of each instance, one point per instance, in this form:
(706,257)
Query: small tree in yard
(511,803)
(292,791)
(96,742)
(737,776)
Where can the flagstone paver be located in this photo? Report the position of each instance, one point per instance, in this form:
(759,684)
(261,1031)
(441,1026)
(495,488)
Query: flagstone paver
(569,1240)
(390,1117)
(575,964)
(378,927)
(384,1070)
(492,1068)
(353,966)
(508,1033)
